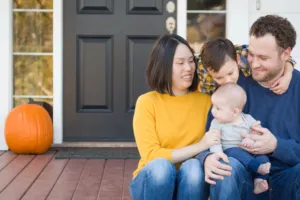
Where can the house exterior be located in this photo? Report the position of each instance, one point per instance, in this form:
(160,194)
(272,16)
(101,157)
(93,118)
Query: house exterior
(100,50)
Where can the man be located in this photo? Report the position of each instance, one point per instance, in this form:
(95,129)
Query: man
(271,40)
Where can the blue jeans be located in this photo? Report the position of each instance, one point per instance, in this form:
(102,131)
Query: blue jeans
(239,186)
(250,161)
(159,180)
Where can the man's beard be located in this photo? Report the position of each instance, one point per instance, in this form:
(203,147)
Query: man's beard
(269,75)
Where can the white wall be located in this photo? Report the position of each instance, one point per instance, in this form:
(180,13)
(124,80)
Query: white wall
(237,21)
(289,9)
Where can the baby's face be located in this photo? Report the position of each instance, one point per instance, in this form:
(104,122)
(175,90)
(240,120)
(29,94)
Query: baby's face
(222,111)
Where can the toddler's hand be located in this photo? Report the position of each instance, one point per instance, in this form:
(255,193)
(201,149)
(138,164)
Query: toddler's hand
(281,85)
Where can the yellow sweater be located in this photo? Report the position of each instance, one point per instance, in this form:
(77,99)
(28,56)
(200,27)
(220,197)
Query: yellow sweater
(162,123)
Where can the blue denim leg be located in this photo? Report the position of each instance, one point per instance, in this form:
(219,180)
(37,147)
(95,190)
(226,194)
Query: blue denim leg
(155,181)
(286,184)
(262,159)
(190,181)
(243,157)
(250,161)
(238,186)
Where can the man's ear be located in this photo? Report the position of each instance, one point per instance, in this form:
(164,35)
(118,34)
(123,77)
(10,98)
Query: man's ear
(286,54)
(238,59)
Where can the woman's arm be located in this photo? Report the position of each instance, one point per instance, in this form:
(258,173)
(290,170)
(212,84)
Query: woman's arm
(144,131)
(210,138)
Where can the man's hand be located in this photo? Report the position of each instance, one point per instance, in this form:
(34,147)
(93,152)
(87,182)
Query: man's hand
(246,142)
(214,169)
(265,141)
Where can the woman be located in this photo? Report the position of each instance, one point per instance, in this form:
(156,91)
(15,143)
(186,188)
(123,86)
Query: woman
(169,123)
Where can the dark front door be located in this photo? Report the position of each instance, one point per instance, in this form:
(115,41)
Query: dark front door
(106,47)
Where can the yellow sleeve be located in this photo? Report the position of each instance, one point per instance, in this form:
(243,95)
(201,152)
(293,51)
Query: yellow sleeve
(144,131)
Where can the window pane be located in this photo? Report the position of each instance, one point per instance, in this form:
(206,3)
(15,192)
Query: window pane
(33,32)
(33,75)
(204,27)
(18,101)
(33,4)
(206,5)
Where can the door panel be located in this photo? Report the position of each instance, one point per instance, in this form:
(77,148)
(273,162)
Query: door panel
(106,48)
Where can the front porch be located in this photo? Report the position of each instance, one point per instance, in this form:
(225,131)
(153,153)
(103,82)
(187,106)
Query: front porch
(44,177)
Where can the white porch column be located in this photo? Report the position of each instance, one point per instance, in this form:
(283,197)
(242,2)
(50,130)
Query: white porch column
(58,71)
(6,78)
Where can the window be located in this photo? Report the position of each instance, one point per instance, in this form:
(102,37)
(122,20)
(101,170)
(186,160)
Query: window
(32,50)
(206,20)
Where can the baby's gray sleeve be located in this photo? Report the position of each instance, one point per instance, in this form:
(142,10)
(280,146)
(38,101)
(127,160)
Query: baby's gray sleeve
(217,147)
(215,125)
(250,119)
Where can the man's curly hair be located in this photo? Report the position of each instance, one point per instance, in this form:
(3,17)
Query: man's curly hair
(279,27)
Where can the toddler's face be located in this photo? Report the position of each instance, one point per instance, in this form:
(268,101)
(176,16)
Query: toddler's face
(228,73)
(222,111)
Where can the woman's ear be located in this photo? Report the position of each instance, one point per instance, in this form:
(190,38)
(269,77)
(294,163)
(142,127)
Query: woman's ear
(238,59)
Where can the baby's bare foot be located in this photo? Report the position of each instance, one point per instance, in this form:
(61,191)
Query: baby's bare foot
(260,186)
(264,169)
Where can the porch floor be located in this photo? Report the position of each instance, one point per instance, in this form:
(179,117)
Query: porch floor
(39,177)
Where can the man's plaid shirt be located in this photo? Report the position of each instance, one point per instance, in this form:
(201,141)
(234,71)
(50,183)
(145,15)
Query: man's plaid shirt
(208,85)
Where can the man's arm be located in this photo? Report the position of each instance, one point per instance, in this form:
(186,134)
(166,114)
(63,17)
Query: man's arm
(285,150)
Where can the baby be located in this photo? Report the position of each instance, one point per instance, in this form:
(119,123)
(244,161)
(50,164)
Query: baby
(228,102)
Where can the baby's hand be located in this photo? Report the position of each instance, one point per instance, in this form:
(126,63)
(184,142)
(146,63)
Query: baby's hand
(246,142)
(282,84)
(211,138)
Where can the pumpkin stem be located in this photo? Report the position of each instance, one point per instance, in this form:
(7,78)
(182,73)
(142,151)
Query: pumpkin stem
(31,100)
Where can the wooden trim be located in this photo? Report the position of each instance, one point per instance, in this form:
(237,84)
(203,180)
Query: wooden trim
(94,144)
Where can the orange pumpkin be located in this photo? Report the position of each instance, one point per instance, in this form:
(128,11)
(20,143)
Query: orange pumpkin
(28,129)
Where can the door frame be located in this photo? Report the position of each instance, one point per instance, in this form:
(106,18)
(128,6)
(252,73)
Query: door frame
(235,17)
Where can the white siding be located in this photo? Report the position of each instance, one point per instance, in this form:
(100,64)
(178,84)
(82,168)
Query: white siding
(289,9)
